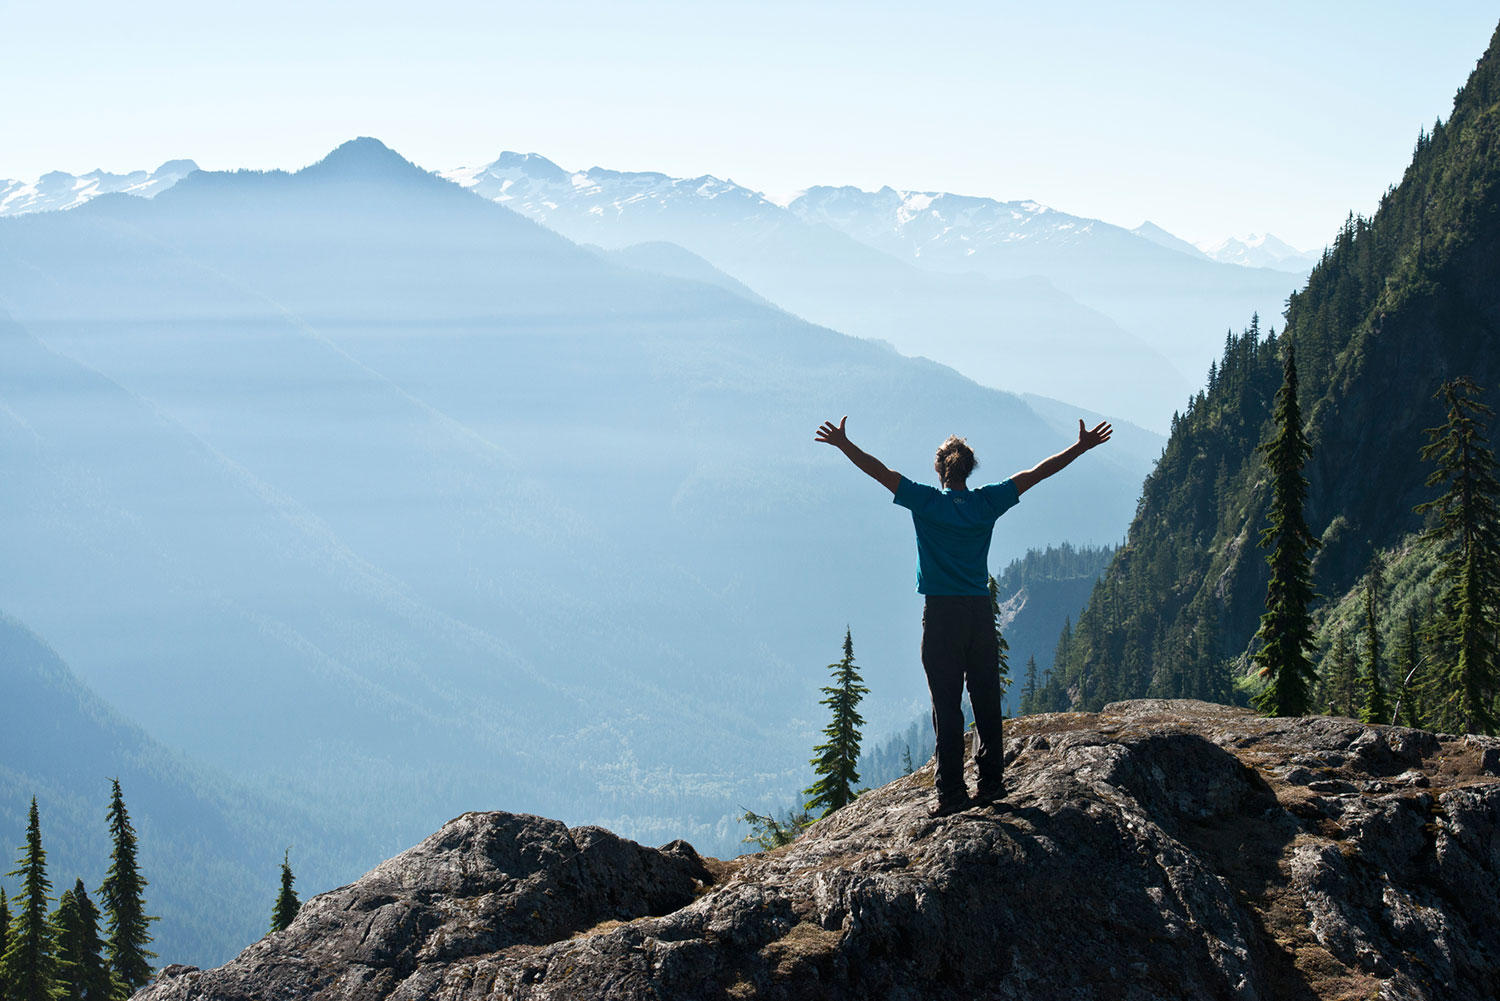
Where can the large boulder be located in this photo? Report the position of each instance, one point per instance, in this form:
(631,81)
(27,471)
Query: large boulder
(1154,850)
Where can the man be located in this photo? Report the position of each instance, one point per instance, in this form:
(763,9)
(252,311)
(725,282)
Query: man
(953,527)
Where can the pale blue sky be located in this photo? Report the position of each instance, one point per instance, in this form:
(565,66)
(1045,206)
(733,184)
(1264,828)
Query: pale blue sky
(1205,118)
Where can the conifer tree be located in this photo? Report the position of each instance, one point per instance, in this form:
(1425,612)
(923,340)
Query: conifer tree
(1004,666)
(1031,688)
(1407,710)
(906,763)
(1373,708)
(1340,681)
(4,939)
(838,755)
(30,967)
(1285,633)
(287,904)
(1053,698)
(1468,527)
(82,974)
(124,899)
(766,832)
(64,925)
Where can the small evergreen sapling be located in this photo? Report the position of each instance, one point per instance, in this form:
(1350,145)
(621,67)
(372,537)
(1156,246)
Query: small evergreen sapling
(766,832)
(287,904)
(1286,631)
(1030,689)
(839,754)
(123,895)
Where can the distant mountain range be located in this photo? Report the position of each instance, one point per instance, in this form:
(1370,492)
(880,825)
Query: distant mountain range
(380,498)
(1264,251)
(1014,294)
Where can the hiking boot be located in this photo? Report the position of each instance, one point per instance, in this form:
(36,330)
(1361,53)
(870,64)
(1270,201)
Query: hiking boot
(989,791)
(943,806)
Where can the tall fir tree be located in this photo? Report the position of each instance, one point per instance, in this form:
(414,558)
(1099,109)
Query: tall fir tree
(30,966)
(287,905)
(1286,631)
(1004,666)
(1408,711)
(1463,688)
(1340,681)
(123,894)
(65,930)
(1374,707)
(4,940)
(839,754)
(82,974)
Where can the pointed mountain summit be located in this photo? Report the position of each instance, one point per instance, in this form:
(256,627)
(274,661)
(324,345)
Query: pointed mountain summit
(530,164)
(179,168)
(1149,230)
(366,160)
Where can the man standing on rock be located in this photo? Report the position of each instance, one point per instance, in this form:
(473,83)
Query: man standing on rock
(954,526)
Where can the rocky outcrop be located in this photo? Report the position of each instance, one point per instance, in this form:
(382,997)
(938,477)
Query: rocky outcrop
(1154,850)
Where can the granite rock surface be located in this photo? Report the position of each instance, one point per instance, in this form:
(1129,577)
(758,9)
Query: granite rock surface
(1157,849)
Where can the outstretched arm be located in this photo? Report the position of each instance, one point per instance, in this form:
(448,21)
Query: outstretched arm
(829,434)
(1029,478)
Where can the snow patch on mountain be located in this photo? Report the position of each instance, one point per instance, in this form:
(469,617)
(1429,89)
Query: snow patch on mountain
(58,190)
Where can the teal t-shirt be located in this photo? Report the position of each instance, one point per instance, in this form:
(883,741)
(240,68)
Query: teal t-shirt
(953,533)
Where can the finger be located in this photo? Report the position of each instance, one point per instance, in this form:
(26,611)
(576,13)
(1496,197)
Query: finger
(1080,427)
(843,421)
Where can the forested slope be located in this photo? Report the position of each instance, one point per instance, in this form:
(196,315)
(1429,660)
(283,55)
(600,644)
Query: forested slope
(1399,303)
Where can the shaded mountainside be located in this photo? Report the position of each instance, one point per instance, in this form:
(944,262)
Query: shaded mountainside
(208,845)
(1398,304)
(1155,850)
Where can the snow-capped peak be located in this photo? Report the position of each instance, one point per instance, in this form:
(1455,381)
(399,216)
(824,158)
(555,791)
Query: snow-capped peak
(1258,250)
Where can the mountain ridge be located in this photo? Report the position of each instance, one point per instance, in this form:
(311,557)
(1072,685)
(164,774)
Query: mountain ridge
(1399,303)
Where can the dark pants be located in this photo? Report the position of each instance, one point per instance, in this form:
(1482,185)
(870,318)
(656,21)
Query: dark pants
(958,645)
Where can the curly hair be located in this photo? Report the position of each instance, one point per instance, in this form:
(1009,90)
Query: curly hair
(955,461)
